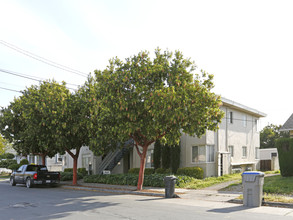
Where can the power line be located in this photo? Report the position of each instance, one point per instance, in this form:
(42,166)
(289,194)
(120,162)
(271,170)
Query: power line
(26,77)
(12,90)
(42,59)
(35,78)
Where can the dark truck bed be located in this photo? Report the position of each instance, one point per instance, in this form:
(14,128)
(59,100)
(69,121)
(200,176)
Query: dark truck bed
(33,175)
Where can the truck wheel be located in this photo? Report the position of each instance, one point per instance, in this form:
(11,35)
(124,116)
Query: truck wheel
(12,181)
(28,183)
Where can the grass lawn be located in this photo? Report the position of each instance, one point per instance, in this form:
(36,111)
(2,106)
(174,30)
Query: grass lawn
(5,175)
(278,185)
(199,184)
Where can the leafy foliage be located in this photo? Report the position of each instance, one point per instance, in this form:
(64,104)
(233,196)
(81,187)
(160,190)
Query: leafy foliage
(155,180)
(136,171)
(157,154)
(175,158)
(195,172)
(7,156)
(270,134)
(285,150)
(163,171)
(7,163)
(67,176)
(166,157)
(2,145)
(47,119)
(147,100)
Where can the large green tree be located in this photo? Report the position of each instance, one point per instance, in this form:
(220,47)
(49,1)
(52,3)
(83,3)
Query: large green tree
(148,99)
(47,119)
(269,134)
(30,122)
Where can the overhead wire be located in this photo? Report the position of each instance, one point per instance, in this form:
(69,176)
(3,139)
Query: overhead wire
(12,90)
(42,59)
(27,77)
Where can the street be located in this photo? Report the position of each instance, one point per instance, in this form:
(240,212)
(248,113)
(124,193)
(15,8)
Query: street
(22,203)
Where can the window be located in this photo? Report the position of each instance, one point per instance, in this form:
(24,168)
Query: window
(244,120)
(230,117)
(256,122)
(244,151)
(201,154)
(20,169)
(210,153)
(256,153)
(198,154)
(86,160)
(231,150)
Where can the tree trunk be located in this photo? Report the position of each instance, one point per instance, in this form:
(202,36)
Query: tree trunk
(142,167)
(43,159)
(75,158)
(74,180)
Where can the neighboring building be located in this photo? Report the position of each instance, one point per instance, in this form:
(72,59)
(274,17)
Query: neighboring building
(269,159)
(288,126)
(233,148)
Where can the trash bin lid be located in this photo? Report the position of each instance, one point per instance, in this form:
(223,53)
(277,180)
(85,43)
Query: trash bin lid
(256,173)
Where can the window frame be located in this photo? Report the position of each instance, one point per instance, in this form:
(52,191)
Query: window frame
(207,157)
(232,151)
(244,151)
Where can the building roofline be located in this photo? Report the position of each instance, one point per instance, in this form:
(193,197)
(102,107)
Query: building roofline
(236,105)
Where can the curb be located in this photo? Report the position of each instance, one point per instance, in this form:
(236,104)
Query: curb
(264,203)
(98,189)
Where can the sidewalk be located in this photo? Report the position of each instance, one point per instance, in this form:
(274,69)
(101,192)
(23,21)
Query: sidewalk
(208,194)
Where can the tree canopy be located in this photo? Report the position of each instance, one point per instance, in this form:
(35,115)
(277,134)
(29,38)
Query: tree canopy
(149,99)
(269,134)
(45,120)
(2,145)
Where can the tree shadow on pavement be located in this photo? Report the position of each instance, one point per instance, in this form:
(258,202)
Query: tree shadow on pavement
(231,209)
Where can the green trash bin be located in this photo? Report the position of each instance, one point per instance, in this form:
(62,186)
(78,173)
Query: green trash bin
(252,182)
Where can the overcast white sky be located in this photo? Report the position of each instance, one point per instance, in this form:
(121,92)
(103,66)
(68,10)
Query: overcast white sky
(247,45)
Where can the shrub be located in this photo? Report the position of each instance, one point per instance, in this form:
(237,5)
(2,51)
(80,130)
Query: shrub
(68,170)
(14,166)
(163,171)
(7,156)
(154,180)
(82,171)
(285,150)
(175,158)
(65,176)
(195,172)
(166,157)
(23,162)
(133,171)
(157,154)
(147,171)
(6,163)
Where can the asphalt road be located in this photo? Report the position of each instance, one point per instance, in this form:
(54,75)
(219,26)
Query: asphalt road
(21,203)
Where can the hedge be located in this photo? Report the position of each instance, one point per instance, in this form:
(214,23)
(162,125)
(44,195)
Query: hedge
(154,180)
(147,171)
(65,176)
(195,172)
(285,150)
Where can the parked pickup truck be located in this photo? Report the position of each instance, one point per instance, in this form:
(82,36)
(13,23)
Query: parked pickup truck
(34,174)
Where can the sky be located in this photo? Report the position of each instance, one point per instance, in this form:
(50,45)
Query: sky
(247,45)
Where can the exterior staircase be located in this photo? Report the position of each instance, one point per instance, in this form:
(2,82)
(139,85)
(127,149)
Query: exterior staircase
(113,157)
